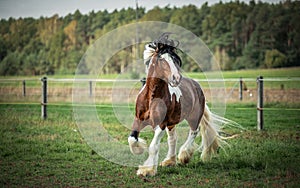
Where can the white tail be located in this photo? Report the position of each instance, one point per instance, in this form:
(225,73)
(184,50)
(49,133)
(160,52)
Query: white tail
(209,128)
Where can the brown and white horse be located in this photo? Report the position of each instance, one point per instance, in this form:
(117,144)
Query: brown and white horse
(166,99)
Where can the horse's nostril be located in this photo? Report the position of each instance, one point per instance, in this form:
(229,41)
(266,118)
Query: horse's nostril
(174,77)
(177,77)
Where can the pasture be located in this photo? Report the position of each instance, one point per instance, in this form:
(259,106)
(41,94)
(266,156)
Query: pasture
(52,153)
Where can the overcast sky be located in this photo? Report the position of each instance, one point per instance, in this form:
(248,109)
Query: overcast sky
(47,8)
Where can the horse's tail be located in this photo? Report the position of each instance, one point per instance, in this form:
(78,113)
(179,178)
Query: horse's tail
(210,131)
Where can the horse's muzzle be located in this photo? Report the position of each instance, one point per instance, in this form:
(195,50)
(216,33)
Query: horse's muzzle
(175,80)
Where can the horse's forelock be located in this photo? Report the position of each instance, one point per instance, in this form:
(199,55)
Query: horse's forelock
(161,46)
(171,51)
(165,45)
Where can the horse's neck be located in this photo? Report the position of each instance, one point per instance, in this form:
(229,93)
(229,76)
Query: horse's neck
(156,87)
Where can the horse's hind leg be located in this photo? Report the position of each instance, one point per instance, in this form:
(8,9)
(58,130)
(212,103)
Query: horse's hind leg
(187,149)
(170,160)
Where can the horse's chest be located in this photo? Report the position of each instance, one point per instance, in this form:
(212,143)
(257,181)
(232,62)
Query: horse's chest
(160,106)
(175,93)
(173,114)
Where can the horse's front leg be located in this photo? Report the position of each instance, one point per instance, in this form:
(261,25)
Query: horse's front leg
(149,168)
(170,160)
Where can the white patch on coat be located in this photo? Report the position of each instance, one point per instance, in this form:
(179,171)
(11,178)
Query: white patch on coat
(154,147)
(176,91)
(137,147)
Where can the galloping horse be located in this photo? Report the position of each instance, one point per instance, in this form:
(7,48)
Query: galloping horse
(166,99)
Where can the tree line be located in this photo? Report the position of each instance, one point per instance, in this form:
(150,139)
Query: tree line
(241,36)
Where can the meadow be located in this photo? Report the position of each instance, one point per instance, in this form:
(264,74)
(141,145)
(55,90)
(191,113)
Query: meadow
(52,152)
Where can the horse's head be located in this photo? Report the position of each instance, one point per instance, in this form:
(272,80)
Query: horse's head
(162,60)
(162,66)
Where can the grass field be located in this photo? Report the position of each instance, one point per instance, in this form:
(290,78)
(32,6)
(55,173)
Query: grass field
(52,153)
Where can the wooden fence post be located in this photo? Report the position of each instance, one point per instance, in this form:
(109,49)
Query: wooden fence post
(260,97)
(91,88)
(241,89)
(44,98)
(24,88)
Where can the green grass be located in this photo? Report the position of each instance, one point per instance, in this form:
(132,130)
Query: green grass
(52,153)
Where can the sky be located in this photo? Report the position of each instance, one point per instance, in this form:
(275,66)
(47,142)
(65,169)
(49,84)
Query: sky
(47,8)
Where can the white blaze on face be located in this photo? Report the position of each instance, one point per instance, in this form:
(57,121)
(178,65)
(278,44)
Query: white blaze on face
(175,76)
(170,61)
(174,70)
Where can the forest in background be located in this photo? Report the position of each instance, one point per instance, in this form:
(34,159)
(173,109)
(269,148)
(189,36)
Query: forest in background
(241,36)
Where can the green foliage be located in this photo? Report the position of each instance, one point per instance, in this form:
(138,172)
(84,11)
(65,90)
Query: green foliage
(187,17)
(275,59)
(158,14)
(240,35)
(134,75)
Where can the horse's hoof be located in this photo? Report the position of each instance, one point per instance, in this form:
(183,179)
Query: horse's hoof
(169,162)
(184,157)
(137,147)
(146,171)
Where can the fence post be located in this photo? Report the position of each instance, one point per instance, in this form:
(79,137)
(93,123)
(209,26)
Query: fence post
(241,89)
(260,94)
(24,88)
(44,98)
(91,88)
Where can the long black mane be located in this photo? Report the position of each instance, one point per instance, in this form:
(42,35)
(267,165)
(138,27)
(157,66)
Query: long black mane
(165,45)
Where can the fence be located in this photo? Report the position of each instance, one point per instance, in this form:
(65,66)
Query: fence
(60,90)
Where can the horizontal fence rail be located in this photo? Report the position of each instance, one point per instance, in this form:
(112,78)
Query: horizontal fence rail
(31,87)
(246,87)
(9,80)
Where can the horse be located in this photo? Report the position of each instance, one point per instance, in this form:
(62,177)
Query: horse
(165,100)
